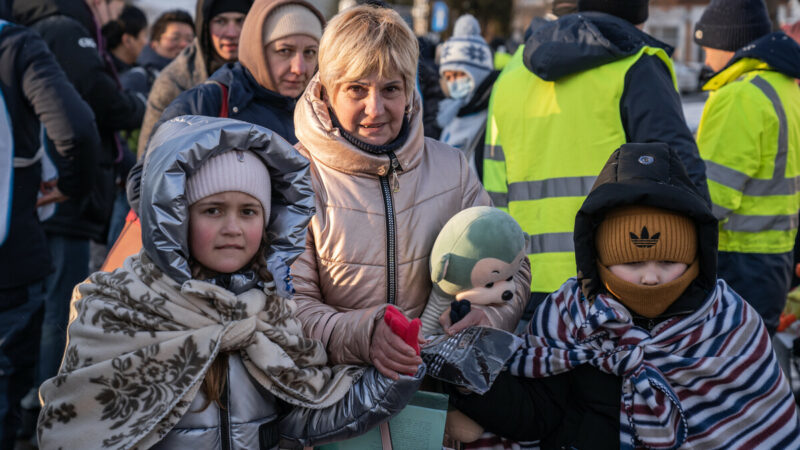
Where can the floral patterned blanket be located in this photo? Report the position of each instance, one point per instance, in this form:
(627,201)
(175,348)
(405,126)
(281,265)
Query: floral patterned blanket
(139,345)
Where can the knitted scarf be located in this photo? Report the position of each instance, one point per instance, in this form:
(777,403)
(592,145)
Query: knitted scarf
(706,380)
(140,345)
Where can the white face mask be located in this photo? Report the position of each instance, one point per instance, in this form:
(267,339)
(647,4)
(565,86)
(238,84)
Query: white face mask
(460,87)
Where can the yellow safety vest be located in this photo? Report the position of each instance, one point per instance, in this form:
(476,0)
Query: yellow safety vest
(749,137)
(546,142)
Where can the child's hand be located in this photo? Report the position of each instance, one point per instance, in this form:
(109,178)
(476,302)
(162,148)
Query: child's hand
(475,317)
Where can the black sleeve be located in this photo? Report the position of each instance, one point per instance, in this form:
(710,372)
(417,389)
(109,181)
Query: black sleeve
(522,409)
(77,54)
(67,119)
(205,99)
(651,112)
(432,94)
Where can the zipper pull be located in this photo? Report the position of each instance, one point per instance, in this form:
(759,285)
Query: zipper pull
(395,167)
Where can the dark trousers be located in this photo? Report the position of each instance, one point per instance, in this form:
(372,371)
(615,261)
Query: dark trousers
(21,311)
(761,279)
(71,261)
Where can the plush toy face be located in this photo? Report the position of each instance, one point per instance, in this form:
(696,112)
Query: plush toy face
(492,281)
(476,254)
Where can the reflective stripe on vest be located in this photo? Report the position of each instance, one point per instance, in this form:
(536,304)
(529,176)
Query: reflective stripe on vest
(546,142)
(755,187)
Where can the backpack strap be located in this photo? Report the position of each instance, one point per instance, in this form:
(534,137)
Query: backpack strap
(223,110)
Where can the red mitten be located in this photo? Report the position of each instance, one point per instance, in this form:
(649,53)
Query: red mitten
(401,326)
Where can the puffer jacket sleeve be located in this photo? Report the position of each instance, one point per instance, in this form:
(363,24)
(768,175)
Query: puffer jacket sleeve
(373,399)
(346,334)
(507,315)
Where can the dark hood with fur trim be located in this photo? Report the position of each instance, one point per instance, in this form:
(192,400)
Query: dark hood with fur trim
(652,175)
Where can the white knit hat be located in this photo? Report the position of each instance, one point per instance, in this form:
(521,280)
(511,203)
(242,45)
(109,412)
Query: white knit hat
(291,19)
(467,51)
(235,170)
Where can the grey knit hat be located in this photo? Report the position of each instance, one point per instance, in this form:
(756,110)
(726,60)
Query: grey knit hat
(239,171)
(467,51)
(731,24)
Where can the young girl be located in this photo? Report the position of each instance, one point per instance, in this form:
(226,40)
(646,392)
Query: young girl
(193,343)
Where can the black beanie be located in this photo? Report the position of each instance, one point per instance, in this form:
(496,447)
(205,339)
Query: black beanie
(732,24)
(634,11)
(564,7)
(225,6)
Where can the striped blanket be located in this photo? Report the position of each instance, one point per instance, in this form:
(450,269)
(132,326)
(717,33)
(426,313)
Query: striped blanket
(706,380)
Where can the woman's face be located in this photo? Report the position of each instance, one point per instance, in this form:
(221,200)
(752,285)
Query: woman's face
(225,230)
(292,62)
(371,108)
(176,36)
(225,29)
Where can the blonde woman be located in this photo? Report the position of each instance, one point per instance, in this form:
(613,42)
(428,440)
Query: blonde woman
(383,192)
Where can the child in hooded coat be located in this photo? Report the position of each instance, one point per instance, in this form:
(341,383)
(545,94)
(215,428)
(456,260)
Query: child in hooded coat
(646,348)
(194,342)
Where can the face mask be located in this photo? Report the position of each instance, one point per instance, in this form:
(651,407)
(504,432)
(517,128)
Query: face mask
(460,87)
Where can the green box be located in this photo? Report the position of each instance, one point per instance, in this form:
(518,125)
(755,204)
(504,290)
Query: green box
(419,426)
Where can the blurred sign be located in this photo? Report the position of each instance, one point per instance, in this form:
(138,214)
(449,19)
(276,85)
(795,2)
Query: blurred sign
(439,16)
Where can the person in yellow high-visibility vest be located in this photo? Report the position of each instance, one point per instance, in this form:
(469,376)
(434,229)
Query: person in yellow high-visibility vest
(749,137)
(582,86)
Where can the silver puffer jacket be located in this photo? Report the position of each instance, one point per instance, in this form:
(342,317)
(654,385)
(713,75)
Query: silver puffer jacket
(253,418)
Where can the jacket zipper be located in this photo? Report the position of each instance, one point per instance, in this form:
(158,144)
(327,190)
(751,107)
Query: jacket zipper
(225,419)
(391,226)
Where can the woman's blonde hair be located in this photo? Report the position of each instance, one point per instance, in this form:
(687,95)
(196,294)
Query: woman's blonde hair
(364,40)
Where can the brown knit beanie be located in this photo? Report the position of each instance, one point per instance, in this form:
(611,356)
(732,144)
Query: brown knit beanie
(643,233)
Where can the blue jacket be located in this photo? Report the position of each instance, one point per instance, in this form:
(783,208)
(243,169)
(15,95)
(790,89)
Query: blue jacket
(247,101)
(35,93)
(68,28)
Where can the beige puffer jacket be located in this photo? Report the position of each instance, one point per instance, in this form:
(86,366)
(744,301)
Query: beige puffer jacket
(342,278)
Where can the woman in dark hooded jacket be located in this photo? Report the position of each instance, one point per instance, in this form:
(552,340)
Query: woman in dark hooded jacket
(277,58)
(618,362)
(197,61)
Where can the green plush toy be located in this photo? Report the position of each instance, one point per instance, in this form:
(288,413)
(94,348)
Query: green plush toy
(473,261)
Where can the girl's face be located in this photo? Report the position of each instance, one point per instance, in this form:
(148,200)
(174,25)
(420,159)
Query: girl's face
(225,230)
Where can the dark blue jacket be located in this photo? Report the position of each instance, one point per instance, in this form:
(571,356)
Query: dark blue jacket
(35,90)
(69,30)
(248,101)
(141,77)
(650,108)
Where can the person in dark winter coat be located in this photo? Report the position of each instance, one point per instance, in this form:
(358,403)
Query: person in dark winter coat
(71,30)
(749,137)
(125,37)
(582,85)
(263,86)
(197,61)
(169,35)
(36,96)
(646,348)
(467,69)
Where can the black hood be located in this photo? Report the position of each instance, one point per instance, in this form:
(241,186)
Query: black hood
(577,42)
(777,49)
(28,12)
(650,175)
(201,30)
